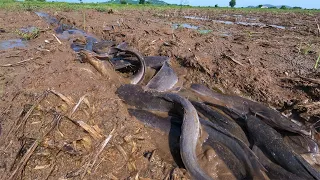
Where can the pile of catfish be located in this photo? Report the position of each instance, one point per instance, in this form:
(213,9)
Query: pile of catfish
(251,140)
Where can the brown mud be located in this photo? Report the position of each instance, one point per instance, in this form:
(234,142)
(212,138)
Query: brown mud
(271,65)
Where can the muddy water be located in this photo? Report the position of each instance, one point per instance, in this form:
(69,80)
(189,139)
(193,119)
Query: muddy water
(168,128)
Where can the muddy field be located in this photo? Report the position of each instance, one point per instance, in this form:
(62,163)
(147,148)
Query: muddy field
(266,57)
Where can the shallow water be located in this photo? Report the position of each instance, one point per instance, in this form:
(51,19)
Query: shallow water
(184,25)
(49,19)
(277,26)
(223,22)
(251,24)
(196,18)
(204,31)
(258,24)
(12,43)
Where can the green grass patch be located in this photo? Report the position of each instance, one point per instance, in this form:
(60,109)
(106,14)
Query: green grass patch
(34,33)
(317,62)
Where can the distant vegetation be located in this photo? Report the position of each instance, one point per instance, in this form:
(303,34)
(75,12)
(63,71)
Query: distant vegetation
(142,1)
(232,3)
(31,5)
(155,2)
(283,7)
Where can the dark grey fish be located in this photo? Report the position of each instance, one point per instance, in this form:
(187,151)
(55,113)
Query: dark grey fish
(156,61)
(223,120)
(252,165)
(170,125)
(90,41)
(272,144)
(274,171)
(189,136)
(63,28)
(103,47)
(135,95)
(77,47)
(139,75)
(240,160)
(122,46)
(164,80)
(119,63)
(301,145)
(155,121)
(244,106)
(228,157)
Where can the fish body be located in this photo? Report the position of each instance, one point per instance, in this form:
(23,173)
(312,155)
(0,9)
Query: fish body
(245,106)
(272,144)
(189,135)
(164,80)
(136,96)
(221,119)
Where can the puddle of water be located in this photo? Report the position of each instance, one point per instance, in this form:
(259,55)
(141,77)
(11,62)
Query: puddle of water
(225,34)
(196,18)
(71,33)
(237,15)
(230,22)
(276,26)
(251,19)
(47,17)
(189,26)
(251,24)
(223,22)
(12,43)
(204,31)
(184,25)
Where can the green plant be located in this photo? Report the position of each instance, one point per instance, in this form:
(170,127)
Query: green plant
(28,35)
(101,9)
(305,49)
(216,5)
(123,2)
(283,7)
(142,1)
(232,3)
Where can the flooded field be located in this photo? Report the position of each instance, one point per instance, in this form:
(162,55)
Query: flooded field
(62,119)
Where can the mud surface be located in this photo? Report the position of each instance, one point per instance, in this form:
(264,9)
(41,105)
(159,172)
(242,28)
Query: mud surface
(266,63)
